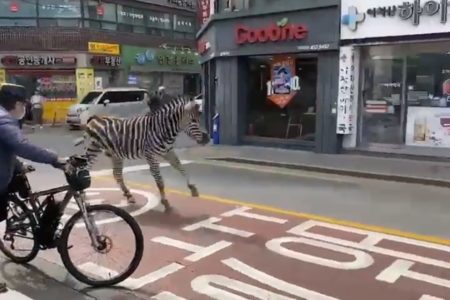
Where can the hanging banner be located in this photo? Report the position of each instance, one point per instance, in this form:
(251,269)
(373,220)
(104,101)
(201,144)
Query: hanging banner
(203,11)
(85,82)
(346,95)
(283,84)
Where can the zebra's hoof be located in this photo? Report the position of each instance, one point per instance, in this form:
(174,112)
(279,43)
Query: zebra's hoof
(167,207)
(194,190)
(131,200)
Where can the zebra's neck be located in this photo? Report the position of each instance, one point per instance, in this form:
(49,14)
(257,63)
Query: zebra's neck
(166,123)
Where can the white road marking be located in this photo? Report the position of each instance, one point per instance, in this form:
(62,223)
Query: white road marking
(166,296)
(152,201)
(132,283)
(137,168)
(361,260)
(13,295)
(301,230)
(242,212)
(274,282)
(198,252)
(428,297)
(401,268)
(209,224)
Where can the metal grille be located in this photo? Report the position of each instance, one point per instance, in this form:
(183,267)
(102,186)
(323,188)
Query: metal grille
(57,39)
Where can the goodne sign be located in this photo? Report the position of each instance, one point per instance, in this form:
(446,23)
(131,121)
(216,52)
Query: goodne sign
(275,32)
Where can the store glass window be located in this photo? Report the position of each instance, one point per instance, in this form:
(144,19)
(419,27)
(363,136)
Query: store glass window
(18,22)
(18,8)
(183,24)
(281,99)
(59,9)
(102,12)
(406,95)
(130,19)
(159,20)
(100,25)
(382,96)
(59,22)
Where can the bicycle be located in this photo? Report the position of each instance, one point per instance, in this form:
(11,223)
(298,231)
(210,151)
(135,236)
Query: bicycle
(44,221)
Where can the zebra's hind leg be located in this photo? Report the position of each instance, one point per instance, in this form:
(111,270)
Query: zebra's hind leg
(175,162)
(156,173)
(117,165)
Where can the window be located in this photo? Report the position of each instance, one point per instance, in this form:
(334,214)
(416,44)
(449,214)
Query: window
(406,94)
(18,22)
(59,9)
(90,97)
(184,24)
(122,97)
(281,99)
(101,12)
(382,96)
(59,22)
(100,25)
(130,15)
(18,9)
(159,20)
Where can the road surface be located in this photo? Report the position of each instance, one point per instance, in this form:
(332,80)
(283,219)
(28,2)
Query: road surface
(266,233)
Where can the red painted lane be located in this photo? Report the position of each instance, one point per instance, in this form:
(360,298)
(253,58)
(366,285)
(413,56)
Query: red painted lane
(355,265)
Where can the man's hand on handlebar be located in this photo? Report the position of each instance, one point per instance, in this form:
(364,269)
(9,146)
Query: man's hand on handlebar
(60,163)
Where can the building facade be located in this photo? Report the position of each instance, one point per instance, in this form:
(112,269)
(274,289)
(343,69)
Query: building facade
(396,97)
(270,70)
(64,48)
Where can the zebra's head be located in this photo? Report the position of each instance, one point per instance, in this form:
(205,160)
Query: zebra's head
(191,123)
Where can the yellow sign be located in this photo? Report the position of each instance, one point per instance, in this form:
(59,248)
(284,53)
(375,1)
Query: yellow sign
(85,81)
(103,48)
(2,76)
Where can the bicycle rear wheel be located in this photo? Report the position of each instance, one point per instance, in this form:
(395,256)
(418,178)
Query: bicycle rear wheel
(21,226)
(93,273)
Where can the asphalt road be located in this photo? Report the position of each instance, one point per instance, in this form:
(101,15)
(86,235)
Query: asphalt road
(342,213)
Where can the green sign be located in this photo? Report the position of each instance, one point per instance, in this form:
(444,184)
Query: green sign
(161,59)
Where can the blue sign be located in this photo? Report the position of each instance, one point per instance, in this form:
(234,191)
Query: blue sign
(352,18)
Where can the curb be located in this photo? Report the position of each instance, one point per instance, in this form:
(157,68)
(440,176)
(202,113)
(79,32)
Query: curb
(345,172)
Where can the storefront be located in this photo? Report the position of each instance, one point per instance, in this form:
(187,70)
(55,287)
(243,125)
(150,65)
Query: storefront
(273,78)
(62,78)
(398,98)
(54,75)
(177,69)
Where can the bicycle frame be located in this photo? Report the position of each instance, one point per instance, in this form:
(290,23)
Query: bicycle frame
(38,207)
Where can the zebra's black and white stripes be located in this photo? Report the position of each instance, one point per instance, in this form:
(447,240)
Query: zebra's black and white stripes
(148,136)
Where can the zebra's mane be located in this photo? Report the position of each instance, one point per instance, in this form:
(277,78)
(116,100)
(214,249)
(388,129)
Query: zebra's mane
(172,105)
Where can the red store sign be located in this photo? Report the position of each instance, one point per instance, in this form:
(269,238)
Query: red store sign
(203,11)
(37,60)
(280,31)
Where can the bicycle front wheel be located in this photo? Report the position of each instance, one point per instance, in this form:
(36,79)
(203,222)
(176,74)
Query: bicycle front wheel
(94,269)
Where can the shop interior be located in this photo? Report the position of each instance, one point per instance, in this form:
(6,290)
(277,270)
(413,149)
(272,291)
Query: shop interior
(294,122)
(405,86)
(54,85)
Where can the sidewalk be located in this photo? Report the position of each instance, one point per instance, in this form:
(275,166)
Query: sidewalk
(392,169)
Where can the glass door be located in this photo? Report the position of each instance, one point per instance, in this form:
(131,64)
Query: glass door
(383,106)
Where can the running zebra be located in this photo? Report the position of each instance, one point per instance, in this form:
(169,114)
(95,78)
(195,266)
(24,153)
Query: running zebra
(147,136)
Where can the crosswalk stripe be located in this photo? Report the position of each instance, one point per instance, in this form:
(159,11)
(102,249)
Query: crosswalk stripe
(13,295)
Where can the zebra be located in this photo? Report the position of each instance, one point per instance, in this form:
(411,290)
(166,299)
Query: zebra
(146,136)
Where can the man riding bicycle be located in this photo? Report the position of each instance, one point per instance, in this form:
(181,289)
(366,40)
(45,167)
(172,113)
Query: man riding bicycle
(14,144)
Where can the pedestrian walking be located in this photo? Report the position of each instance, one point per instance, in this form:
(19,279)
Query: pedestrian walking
(37,108)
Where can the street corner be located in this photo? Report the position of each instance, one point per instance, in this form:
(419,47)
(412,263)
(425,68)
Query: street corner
(208,248)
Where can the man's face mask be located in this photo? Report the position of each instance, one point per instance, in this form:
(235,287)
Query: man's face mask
(19,111)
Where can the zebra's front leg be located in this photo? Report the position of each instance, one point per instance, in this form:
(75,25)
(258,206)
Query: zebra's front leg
(156,173)
(175,162)
(117,165)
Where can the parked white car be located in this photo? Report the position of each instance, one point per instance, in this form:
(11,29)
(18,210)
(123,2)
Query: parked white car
(199,100)
(119,102)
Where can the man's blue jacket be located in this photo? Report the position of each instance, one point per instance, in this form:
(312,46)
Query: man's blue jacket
(12,144)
